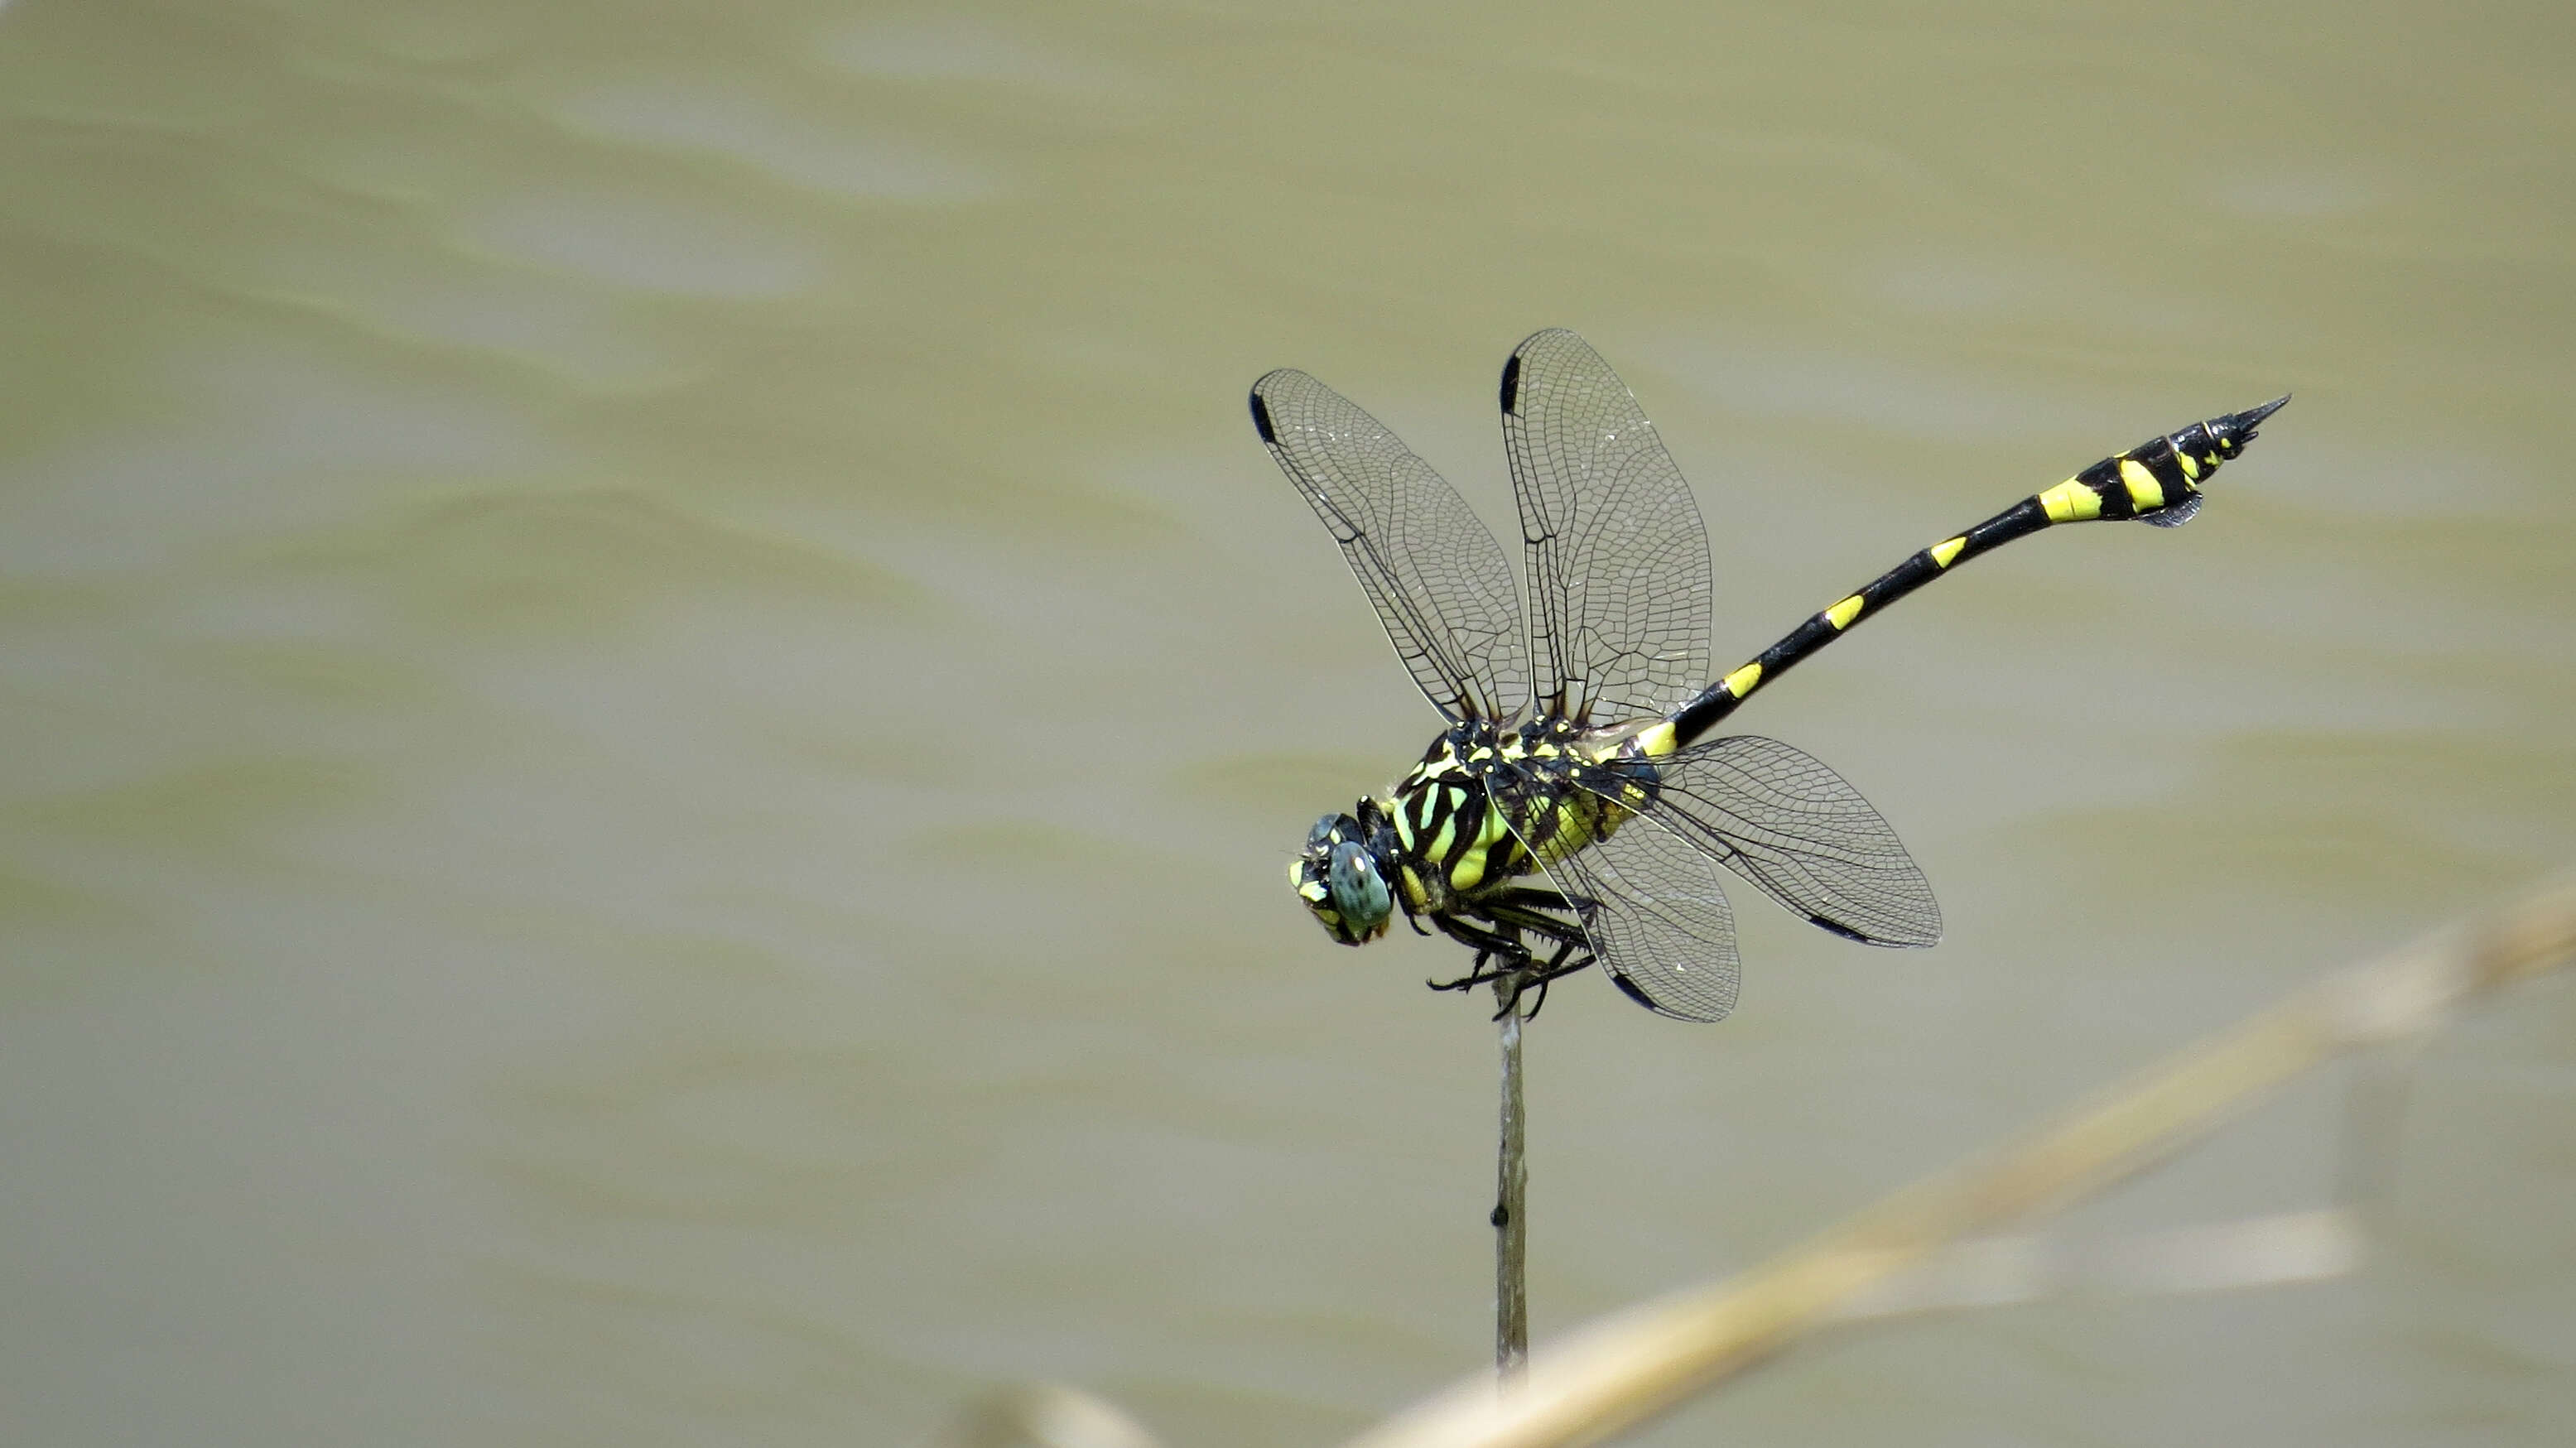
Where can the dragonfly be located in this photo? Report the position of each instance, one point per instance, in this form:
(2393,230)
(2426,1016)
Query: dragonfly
(1574,810)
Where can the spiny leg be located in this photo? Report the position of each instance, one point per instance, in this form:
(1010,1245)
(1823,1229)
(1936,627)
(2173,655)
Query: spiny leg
(1528,908)
(1557,965)
(1512,911)
(1503,944)
(1523,909)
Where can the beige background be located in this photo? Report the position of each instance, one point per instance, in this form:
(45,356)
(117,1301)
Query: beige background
(655,693)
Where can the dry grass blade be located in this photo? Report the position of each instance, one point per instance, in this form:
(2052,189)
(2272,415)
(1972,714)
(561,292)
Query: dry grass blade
(1632,1366)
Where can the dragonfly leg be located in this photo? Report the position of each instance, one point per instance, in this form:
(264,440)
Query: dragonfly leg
(1525,908)
(1475,977)
(1503,957)
(1572,954)
(1491,946)
(1501,954)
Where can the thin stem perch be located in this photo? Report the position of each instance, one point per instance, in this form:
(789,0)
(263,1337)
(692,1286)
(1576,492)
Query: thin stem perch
(1511,1192)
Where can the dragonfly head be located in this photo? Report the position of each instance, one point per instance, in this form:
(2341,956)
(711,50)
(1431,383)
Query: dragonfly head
(1339,878)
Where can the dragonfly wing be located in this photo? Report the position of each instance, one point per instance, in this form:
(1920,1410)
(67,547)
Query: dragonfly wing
(1442,585)
(1784,821)
(1652,907)
(1659,922)
(1617,557)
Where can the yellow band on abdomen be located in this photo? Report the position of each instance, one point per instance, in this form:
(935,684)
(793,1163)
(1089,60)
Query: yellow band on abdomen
(2071,502)
(2145,493)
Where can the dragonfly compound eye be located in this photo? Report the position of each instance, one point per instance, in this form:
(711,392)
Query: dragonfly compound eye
(1359,893)
(1340,881)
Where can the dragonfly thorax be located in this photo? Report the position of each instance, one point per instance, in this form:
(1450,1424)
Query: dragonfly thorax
(1462,824)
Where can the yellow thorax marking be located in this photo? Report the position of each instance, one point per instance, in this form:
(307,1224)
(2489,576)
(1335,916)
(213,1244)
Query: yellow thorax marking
(1448,832)
(2190,464)
(2071,502)
(1470,870)
(2145,493)
(1841,614)
(1943,552)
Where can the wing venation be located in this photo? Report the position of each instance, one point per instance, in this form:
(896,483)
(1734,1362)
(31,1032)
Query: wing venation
(1615,554)
(1652,908)
(1783,820)
(1441,584)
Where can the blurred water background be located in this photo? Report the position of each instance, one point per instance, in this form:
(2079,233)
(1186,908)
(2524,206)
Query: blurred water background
(656,693)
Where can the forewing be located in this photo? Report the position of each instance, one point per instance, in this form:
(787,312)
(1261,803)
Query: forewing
(1655,914)
(1784,821)
(1617,557)
(1442,585)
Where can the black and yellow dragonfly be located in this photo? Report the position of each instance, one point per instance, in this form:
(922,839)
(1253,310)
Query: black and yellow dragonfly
(1575,753)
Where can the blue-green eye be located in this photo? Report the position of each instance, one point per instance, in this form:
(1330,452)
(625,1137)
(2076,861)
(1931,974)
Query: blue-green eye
(1359,891)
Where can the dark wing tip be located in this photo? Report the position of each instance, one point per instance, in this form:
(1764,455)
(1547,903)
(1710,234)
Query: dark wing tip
(1836,927)
(1637,993)
(1512,383)
(1908,934)
(1261,416)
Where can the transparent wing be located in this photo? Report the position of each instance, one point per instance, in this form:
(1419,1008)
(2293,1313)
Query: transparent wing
(1659,923)
(1617,555)
(1784,821)
(1442,585)
(1652,909)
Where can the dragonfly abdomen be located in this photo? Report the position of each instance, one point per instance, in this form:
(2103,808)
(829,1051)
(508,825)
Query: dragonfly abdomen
(2158,482)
